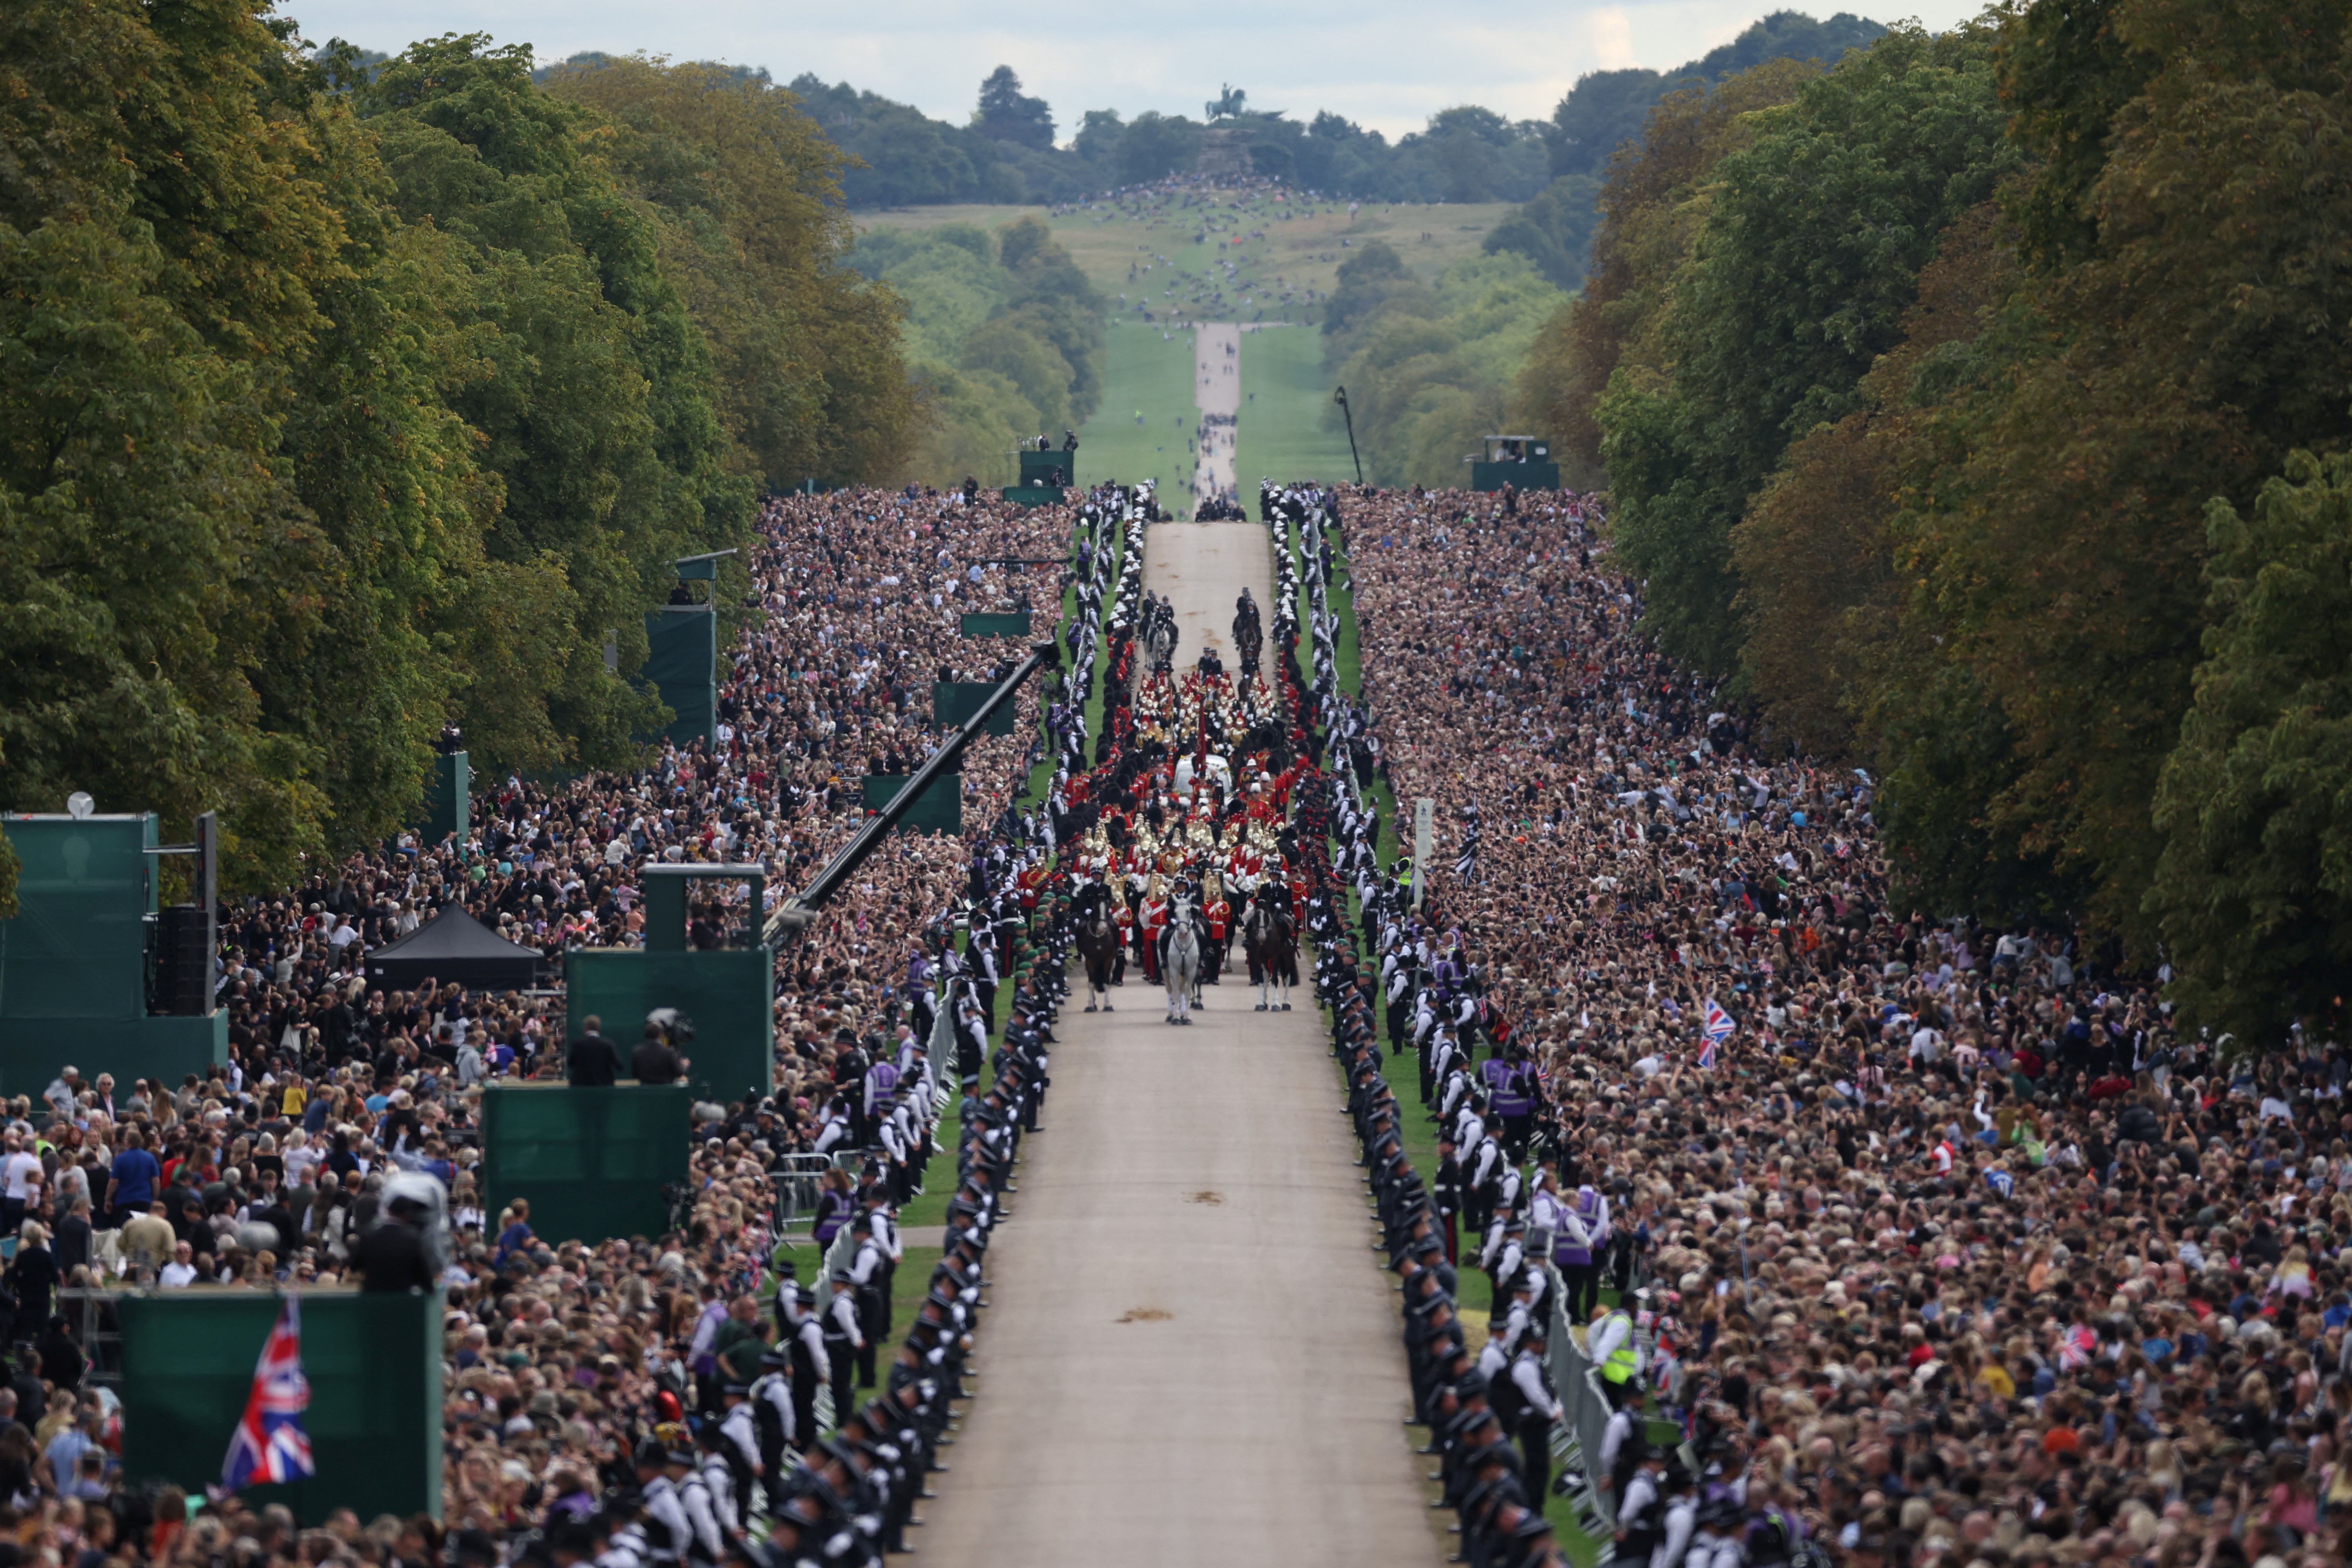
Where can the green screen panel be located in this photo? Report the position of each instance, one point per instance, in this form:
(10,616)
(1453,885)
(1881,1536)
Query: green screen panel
(938,809)
(953,702)
(1055,468)
(682,663)
(374,1368)
(728,993)
(592,1161)
(77,949)
(1013,624)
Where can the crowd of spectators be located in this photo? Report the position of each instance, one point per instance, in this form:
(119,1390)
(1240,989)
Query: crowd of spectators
(1958,1247)
(270,1171)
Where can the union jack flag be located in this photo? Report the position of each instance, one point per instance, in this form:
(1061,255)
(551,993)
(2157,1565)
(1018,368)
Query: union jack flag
(270,1444)
(1718,1024)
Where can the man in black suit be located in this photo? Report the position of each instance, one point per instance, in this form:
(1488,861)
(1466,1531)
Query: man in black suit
(593,1063)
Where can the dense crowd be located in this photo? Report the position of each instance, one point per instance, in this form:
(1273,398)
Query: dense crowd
(575,1370)
(1955,1249)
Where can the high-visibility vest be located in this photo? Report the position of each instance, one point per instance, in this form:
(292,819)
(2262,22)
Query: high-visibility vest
(1625,1359)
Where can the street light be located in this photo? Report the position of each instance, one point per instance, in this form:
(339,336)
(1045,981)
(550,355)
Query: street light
(1340,396)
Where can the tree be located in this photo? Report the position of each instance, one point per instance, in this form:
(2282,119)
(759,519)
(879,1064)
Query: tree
(746,191)
(1554,231)
(2061,551)
(2253,892)
(1005,115)
(1810,257)
(596,394)
(1652,207)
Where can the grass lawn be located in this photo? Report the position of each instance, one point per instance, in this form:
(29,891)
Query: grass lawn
(909,1286)
(1300,244)
(1148,372)
(1284,394)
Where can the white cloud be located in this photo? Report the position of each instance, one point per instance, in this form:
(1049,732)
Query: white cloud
(1388,64)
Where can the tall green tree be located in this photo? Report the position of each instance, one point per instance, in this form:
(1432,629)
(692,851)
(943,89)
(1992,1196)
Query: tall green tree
(1810,257)
(593,389)
(2173,348)
(2253,892)
(745,192)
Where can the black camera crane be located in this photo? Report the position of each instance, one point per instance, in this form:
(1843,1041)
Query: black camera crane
(793,915)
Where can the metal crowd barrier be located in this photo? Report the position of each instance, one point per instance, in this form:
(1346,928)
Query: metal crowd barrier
(1576,1443)
(797,1179)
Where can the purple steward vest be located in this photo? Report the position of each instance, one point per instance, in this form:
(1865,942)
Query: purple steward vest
(1505,1087)
(1586,1206)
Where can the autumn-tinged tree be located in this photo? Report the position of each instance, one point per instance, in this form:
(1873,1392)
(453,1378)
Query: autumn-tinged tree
(1809,259)
(2172,351)
(1652,207)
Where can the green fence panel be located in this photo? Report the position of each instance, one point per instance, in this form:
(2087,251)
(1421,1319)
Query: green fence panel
(592,1161)
(938,809)
(1011,624)
(374,1368)
(953,702)
(728,993)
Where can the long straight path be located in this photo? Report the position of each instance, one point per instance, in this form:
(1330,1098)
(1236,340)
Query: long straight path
(1191,1356)
(1217,389)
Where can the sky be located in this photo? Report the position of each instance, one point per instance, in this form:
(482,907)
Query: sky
(1385,64)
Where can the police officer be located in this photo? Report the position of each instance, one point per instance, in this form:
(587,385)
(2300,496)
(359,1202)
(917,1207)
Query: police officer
(774,1420)
(707,1493)
(661,1460)
(1641,1513)
(842,1340)
(1539,1409)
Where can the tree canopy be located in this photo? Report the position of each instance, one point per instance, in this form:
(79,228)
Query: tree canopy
(343,403)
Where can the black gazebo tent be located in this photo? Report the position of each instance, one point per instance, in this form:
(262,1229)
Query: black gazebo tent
(453,946)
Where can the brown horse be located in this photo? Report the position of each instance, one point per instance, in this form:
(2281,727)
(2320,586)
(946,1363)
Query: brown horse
(1099,944)
(1271,940)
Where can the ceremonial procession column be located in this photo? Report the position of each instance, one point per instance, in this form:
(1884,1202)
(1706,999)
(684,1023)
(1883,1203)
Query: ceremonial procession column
(1191,1356)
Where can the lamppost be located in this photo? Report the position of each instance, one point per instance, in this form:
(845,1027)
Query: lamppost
(1340,396)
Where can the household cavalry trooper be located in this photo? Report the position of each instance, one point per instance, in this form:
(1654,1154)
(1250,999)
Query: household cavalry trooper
(1219,913)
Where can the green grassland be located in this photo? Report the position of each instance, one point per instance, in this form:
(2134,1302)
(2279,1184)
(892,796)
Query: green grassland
(1297,240)
(1284,391)
(1149,371)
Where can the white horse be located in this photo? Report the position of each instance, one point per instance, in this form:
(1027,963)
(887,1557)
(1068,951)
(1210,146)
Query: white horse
(1179,966)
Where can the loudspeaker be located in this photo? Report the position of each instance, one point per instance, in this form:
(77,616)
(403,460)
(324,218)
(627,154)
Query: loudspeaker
(183,966)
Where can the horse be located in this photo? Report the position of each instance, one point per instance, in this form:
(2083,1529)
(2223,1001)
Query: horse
(1099,944)
(1179,963)
(1271,940)
(1248,638)
(1159,638)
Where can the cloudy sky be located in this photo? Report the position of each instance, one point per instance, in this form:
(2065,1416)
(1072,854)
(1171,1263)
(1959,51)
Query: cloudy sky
(1384,63)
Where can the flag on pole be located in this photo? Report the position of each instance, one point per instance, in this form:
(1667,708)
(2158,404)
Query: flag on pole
(270,1444)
